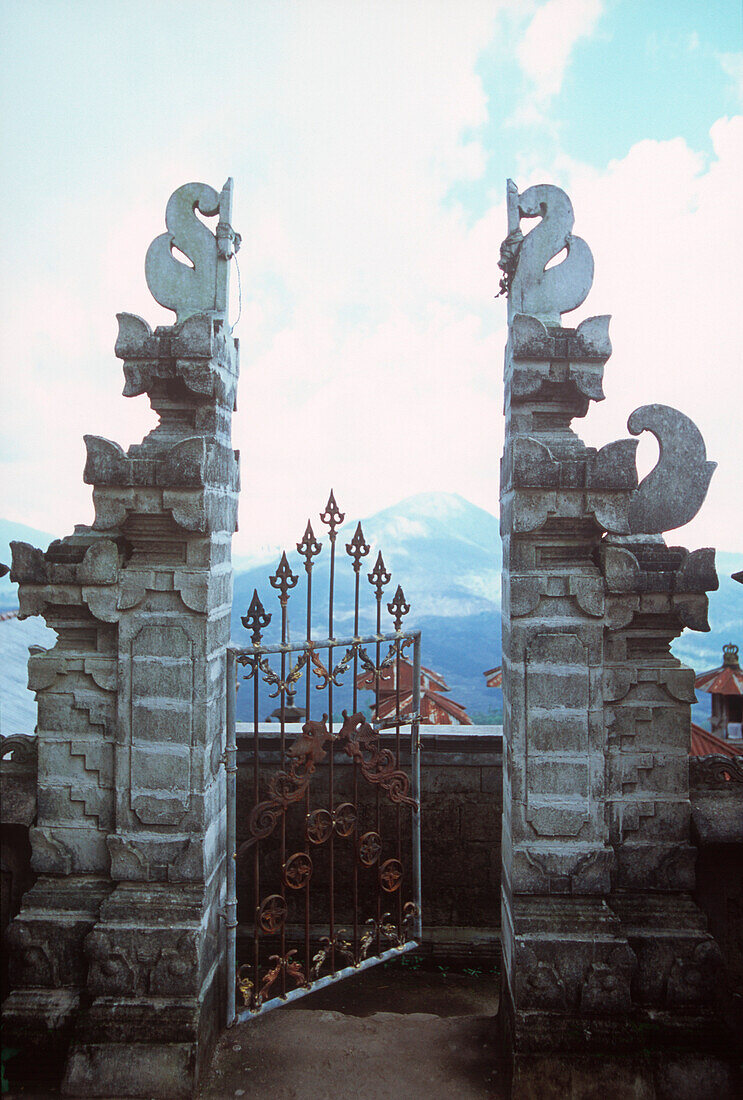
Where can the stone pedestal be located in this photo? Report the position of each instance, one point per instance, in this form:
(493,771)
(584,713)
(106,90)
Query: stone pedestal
(605,954)
(124,924)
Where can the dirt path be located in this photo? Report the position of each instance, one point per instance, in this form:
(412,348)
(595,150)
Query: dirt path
(386,1034)
(311,1055)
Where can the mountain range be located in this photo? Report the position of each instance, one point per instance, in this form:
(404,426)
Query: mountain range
(445,553)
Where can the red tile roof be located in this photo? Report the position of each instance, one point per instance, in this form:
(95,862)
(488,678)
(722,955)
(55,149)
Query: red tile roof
(704,743)
(435,709)
(494,677)
(365,680)
(725,680)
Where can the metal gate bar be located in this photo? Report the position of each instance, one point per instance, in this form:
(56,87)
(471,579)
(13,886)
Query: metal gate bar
(252,655)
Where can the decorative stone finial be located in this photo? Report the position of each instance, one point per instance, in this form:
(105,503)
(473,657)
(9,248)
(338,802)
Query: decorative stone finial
(532,288)
(674,490)
(730,655)
(204,287)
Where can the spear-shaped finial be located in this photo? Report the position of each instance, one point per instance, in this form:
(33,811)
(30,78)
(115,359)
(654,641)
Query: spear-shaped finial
(283,580)
(398,607)
(309,547)
(332,517)
(357,548)
(257,618)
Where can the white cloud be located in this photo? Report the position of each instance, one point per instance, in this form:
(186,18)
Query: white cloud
(732,65)
(545,50)
(371,342)
(668,268)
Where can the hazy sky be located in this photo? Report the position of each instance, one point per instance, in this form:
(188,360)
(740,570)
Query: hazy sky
(369,144)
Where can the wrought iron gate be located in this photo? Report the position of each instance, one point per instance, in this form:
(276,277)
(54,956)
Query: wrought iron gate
(323,873)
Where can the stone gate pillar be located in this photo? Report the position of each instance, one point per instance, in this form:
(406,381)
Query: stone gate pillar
(120,943)
(601,939)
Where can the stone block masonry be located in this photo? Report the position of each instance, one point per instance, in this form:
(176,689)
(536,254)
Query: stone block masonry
(118,948)
(601,938)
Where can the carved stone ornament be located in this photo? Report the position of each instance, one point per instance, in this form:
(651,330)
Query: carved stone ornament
(533,288)
(674,490)
(202,288)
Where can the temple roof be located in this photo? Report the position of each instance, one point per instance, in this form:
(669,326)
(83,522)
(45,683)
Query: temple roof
(704,743)
(433,707)
(494,677)
(725,680)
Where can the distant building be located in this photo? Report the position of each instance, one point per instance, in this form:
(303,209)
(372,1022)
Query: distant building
(494,677)
(435,709)
(725,685)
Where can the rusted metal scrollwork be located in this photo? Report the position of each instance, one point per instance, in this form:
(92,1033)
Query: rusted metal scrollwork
(309,547)
(384,930)
(325,855)
(291,967)
(390,875)
(344,819)
(370,848)
(283,580)
(398,607)
(287,787)
(244,984)
(257,618)
(329,946)
(319,826)
(326,676)
(297,871)
(377,671)
(410,912)
(357,548)
(272,913)
(362,743)
(271,677)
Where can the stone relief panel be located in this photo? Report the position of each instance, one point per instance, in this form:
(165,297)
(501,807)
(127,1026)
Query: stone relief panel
(557,690)
(162,701)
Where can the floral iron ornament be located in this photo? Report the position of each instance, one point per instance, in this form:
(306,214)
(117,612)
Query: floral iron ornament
(362,743)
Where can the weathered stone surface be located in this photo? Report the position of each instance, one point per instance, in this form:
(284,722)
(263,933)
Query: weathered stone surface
(674,491)
(596,710)
(540,293)
(131,699)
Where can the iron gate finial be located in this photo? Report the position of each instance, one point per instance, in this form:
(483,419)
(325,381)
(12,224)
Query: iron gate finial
(283,579)
(309,547)
(398,607)
(257,618)
(357,548)
(332,517)
(379,576)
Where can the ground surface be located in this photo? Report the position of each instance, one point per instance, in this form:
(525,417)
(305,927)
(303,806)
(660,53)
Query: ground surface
(391,1032)
(394,1031)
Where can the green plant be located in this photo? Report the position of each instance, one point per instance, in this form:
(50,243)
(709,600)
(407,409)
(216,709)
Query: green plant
(473,972)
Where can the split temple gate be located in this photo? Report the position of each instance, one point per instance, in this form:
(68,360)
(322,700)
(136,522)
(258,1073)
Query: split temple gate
(118,955)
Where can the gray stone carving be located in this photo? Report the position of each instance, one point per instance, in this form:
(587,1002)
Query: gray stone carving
(598,923)
(129,841)
(203,287)
(674,491)
(536,289)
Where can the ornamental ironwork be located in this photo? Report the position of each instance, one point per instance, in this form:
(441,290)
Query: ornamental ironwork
(326,874)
